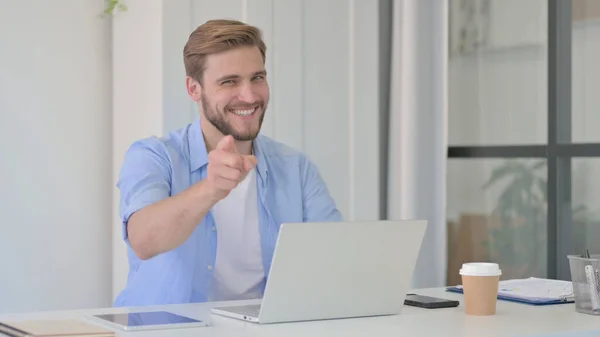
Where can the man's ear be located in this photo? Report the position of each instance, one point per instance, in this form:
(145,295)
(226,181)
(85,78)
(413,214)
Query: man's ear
(194,88)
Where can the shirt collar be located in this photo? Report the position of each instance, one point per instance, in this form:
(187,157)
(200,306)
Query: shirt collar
(261,167)
(199,154)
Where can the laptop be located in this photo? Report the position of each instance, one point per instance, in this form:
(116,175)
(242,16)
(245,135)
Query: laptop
(331,270)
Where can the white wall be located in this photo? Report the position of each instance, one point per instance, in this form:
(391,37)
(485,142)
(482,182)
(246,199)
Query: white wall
(55,140)
(137,51)
(324,77)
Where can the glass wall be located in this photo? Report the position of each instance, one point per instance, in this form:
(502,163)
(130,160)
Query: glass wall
(497,90)
(524,134)
(497,212)
(585,187)
(586,70)
(586,204)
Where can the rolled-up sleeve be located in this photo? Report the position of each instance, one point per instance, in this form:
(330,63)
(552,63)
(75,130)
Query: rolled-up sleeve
(318,205)
(145,178)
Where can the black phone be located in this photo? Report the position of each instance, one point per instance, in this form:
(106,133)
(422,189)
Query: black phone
(429,302)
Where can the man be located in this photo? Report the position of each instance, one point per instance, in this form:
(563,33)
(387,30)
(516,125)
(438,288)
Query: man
(201,207)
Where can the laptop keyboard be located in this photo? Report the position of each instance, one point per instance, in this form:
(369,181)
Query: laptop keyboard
(249,310)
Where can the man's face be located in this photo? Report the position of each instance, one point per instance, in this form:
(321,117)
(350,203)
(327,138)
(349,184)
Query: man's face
(235,92)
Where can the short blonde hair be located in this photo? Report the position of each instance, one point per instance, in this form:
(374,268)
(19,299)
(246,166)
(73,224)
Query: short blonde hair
(216,36)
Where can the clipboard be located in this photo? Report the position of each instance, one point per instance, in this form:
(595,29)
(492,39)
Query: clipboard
(527,291)
(522,300)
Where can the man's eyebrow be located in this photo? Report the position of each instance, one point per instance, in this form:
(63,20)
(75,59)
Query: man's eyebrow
(233,76)
(262,72)
(227,77)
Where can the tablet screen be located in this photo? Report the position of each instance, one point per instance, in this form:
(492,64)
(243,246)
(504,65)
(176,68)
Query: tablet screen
(150,318)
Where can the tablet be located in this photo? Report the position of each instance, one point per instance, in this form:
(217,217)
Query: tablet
(149,320)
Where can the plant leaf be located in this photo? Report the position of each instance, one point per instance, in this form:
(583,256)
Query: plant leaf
(543,186)
(499,173)
(539,165)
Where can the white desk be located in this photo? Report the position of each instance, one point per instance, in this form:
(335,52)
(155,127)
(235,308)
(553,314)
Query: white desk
(512,319)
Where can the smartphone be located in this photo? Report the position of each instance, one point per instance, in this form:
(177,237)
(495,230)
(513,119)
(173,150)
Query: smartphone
(429,302)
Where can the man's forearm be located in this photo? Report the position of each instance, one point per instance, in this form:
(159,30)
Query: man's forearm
(165,225)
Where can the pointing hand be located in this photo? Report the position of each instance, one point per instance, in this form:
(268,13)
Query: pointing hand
(227,168)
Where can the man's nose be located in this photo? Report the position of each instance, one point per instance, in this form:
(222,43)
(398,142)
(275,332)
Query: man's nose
(247,93)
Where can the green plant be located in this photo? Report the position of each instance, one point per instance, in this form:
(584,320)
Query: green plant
(112,6)
(517,240)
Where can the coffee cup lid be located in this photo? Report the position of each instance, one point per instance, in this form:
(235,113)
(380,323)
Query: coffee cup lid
(480,269)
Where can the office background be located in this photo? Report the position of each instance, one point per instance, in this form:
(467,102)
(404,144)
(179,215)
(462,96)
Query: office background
(374,93)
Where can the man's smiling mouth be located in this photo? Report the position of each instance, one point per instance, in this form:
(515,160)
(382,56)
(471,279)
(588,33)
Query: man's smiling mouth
(243,113)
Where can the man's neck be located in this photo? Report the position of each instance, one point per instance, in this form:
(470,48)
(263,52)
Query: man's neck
(212,136)
(244,148)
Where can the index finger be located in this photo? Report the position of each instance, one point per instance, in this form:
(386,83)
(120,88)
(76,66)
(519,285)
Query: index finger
(227,143)
(232,160)
(249,162)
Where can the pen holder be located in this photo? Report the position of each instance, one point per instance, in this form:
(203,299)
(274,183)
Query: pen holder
(585,275)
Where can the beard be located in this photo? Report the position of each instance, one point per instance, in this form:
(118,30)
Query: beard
(217,117)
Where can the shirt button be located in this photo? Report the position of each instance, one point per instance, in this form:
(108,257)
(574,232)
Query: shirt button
(210,267)
(214,228)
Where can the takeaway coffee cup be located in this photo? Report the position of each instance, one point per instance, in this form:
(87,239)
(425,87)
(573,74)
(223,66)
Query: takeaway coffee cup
(480,286)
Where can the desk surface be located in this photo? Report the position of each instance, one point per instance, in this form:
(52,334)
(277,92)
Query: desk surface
(512,319)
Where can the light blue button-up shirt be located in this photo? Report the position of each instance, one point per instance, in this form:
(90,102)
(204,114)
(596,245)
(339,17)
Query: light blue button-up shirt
(290,189)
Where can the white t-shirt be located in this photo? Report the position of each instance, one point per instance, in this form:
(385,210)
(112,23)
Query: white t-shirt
(238,272)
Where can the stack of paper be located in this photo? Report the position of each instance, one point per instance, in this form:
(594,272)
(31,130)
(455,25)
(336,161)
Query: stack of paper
(533,291)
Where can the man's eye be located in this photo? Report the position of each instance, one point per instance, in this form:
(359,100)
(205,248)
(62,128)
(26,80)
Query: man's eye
(227,82)
(259,77)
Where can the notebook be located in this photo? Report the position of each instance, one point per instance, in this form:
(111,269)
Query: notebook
(53,328)
(534,291)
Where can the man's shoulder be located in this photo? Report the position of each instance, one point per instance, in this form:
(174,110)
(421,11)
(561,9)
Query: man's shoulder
(284,160)
(171,144)
(272,148)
